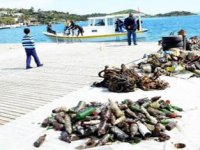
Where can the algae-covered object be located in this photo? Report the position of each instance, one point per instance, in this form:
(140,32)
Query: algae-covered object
(119,134)
(135,107)
(39,141)
(143,130)
(133,129)
(82,114)
(64,136)
(116,110)
(104,123)
(171,125)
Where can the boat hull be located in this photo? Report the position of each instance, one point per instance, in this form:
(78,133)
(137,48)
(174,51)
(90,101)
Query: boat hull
(93,38)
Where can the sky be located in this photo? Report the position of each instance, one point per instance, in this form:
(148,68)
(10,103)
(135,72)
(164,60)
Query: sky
(105,6)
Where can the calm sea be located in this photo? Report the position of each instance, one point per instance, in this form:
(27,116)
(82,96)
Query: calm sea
(157,27)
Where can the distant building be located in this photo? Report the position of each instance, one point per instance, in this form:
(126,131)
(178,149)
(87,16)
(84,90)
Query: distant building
(17,14)
(2,13)
(32,22)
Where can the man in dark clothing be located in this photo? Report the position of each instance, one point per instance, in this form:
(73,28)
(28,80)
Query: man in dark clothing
(71,28)
(139,22)
(49,29)
(119,24)
(79,28)
(131,26)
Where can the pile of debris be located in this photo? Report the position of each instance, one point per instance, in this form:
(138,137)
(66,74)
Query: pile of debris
(195,43)
(126,80)
(105,123)
(173,61)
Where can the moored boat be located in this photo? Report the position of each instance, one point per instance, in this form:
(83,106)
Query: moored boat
(5,27)
(98,29)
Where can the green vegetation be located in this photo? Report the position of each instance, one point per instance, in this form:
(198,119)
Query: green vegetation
(31,16)
(127,11)
(7,20)
(175,13)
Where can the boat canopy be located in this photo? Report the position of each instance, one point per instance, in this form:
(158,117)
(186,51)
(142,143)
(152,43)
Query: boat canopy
(108,20)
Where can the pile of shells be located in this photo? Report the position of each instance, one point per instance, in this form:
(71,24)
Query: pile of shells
(105,123)
(126,80)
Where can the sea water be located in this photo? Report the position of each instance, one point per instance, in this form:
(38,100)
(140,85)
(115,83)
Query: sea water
(157,27)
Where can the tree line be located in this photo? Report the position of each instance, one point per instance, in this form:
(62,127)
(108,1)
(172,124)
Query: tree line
(11,16)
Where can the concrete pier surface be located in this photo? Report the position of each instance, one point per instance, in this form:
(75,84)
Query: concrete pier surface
(67,67)
(28,96)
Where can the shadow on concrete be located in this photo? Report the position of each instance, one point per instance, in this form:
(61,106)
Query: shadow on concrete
(12,69)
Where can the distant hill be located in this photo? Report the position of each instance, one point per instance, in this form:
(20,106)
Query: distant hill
(10,16)
(127,11)
(175,13)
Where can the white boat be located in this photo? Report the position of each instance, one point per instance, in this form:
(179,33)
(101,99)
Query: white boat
(11,26)
(98,29)
(5,27)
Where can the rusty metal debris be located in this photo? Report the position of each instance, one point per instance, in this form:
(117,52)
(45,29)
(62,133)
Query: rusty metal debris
(171,62)
(103,123)
(39,141)
(195,43)
(126,80)
(180,145)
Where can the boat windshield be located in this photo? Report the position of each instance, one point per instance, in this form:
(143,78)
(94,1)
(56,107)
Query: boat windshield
(107,20)
(99,22)
(110,21)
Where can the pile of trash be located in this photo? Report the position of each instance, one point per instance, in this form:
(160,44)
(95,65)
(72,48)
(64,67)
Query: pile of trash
(195,43)
(105,123)
(126,80)
(180,41)
(173,61)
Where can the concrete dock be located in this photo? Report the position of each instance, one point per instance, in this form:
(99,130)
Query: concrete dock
(67,67)
(28,96)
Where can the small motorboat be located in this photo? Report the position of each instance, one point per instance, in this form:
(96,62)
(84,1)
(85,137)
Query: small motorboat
(99,29)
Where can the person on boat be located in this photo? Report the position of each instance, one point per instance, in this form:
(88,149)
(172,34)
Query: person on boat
(29,47)
(186,43)
(71,28)
(100,23)
(79,30)
(131,26)
(67,24)
(49,29)
(139,22)
(119,25)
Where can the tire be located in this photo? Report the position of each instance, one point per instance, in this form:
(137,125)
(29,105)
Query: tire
(178,44)
(172,39)
(172,42)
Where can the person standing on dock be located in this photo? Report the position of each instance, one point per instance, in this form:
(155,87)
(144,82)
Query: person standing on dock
(131,26)
(29,47)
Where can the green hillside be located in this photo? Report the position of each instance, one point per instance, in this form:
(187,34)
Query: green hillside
(127,11)
(31,16)
(175,13)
